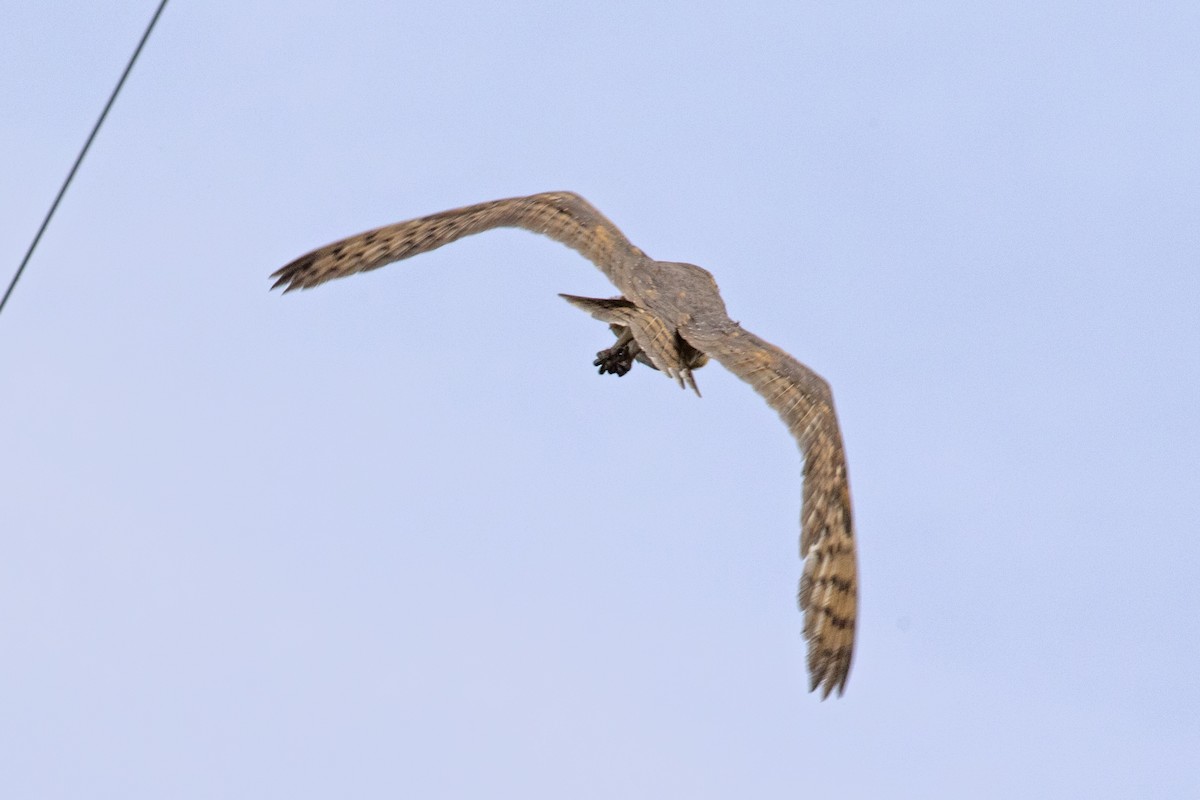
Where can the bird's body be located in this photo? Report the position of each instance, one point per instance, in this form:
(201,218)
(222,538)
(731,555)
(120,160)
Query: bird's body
(671,316)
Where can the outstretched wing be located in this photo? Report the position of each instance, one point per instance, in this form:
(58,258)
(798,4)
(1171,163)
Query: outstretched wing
(563,216)
(829,586)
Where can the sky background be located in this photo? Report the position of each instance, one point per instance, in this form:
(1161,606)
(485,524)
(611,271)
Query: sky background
(394,537)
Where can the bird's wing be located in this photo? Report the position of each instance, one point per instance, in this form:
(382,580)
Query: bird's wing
(563,216)
(829,586)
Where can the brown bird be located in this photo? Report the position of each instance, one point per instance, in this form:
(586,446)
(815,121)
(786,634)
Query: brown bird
(671,317)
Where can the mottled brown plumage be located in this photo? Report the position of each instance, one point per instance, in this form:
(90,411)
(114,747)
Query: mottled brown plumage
(672,318)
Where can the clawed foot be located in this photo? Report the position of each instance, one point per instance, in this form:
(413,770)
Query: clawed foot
(616,360)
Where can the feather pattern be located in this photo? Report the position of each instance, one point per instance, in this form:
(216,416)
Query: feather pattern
(674,313)
(563,216)
(828,593)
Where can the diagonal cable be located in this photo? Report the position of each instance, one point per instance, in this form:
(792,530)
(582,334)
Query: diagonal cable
(79,159)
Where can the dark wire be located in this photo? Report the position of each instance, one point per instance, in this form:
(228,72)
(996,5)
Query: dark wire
(82,153)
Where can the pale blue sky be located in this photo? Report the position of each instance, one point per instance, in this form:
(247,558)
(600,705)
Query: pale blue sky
(394,537)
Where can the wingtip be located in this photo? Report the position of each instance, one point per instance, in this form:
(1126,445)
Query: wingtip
(826,687)
(828,678)
(295,275)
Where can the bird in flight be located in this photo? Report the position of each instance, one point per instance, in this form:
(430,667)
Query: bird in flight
(669,316)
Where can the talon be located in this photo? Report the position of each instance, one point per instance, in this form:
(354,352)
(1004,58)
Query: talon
(615,360)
